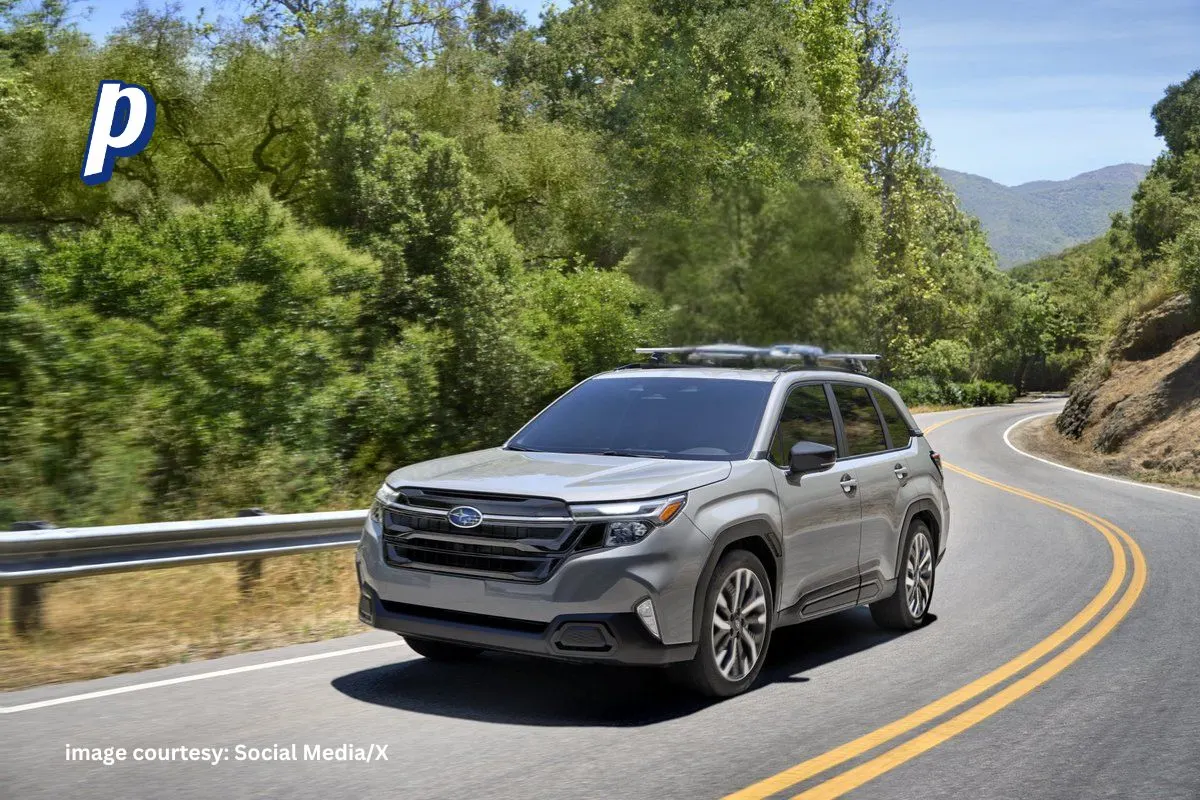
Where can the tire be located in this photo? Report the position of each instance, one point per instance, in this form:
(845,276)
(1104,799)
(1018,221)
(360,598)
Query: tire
(717,670)
(441,651)
(908,606)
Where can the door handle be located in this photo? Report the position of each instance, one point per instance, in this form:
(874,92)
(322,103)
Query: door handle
(848,483)
(900,471)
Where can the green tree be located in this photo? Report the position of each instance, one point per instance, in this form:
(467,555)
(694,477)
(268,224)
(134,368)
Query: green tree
(1177,116)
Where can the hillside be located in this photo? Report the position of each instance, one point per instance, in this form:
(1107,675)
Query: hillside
(1137,411)
(1135,294)
(1041,217)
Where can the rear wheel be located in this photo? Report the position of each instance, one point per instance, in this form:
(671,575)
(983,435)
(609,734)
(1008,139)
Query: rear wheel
(738,615)
(909,604)
(441,651)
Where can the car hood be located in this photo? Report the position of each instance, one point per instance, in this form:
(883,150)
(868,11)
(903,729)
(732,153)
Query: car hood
(574,478)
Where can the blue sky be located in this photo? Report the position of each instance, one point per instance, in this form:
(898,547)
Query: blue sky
(1015,90)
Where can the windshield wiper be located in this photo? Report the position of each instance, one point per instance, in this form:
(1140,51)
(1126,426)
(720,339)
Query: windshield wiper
(628,454)
(521,449)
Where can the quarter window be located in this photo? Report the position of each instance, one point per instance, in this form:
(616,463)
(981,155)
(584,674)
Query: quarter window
(806,417)
(864,433)
(897,427)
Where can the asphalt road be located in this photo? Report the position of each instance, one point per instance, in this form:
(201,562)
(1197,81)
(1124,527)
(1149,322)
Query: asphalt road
(1108,708)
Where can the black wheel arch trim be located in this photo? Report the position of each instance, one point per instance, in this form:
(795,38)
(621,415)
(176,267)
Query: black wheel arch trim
(747,529)
(925,504)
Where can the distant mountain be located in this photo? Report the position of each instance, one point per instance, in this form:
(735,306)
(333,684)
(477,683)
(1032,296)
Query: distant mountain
(1042,217)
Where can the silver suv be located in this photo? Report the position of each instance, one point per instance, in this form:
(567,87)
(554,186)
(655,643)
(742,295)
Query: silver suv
(670,514)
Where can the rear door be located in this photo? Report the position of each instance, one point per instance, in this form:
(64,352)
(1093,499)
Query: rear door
(880,470)
(820,511)
(882,554)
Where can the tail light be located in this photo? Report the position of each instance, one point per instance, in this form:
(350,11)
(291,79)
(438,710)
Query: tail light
(936,458)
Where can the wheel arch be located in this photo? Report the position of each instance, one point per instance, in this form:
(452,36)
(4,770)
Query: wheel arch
(755,536)
(926,511)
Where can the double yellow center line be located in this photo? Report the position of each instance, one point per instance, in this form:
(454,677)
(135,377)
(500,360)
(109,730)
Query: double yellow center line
(856,776)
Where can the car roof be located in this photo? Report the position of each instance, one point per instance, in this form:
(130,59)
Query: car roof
(765,374)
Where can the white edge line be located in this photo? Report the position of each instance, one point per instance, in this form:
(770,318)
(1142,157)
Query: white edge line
(1008,441)
(137,687)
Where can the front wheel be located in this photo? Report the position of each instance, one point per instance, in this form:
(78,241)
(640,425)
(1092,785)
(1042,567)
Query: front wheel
(909,604)
(738,615)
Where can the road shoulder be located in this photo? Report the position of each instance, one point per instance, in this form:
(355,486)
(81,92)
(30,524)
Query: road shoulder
(1038,437)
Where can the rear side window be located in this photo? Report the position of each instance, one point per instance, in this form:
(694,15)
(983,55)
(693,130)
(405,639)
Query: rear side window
(864,433)
(806,417)
(897,427)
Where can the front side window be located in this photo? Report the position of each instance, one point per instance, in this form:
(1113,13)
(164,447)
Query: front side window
(896,425)
(806,417)
(864,433)
(708,419)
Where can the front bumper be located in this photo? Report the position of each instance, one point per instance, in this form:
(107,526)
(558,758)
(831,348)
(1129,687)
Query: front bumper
(584,611)
(613,638)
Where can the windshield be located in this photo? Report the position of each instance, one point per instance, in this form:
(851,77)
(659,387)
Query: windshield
(665,417)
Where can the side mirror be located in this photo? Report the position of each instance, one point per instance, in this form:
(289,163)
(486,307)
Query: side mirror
(810,457)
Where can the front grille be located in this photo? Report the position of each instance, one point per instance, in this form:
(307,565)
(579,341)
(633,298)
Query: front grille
(420,522)
(493,561)
(506,505)
(528,549)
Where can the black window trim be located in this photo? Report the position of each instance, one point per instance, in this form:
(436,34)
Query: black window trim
(838,422)
(839,438)
(887,430)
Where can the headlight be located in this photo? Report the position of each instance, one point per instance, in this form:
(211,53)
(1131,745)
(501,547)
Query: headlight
(628,532)
(630,522)
(385,496)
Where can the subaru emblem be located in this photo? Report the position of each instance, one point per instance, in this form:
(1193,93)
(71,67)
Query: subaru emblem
(465,517)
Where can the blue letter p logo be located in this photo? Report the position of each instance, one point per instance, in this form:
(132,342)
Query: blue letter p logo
(121,126)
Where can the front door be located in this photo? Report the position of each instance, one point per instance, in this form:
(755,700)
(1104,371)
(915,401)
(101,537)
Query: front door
(821,511)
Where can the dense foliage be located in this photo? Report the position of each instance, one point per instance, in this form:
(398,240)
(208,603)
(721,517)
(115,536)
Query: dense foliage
(370,233)
(1147,255)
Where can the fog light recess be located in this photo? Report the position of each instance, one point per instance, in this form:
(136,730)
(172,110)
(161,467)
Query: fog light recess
(645,612)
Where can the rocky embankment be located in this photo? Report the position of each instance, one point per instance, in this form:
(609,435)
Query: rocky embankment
(1138,407)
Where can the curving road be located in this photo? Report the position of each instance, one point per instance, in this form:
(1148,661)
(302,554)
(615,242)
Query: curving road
(1064,662)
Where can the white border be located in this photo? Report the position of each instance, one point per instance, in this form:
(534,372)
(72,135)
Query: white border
(1016,449)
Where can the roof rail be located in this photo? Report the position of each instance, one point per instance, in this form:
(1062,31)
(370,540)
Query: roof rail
(855,362)
(796,356)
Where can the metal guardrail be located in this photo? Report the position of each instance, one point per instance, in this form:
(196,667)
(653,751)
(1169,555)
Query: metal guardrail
(49,554)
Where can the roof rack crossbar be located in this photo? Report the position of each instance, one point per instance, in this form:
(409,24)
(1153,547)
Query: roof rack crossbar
(710,354)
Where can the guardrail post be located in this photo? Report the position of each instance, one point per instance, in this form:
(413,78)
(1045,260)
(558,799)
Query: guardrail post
(27,597)
(250,570)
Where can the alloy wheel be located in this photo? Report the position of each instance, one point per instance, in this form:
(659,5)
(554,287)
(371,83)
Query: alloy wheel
(918,575)
(739,624)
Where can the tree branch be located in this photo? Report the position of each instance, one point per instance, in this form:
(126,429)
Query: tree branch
(173,123)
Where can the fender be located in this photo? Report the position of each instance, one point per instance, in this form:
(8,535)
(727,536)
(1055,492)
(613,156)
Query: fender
(747,529)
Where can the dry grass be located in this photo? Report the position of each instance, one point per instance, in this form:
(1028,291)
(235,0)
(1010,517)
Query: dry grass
(933,409)
(121,623)
(1145,298)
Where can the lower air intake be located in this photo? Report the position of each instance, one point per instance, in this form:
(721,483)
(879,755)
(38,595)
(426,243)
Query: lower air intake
(589,636)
